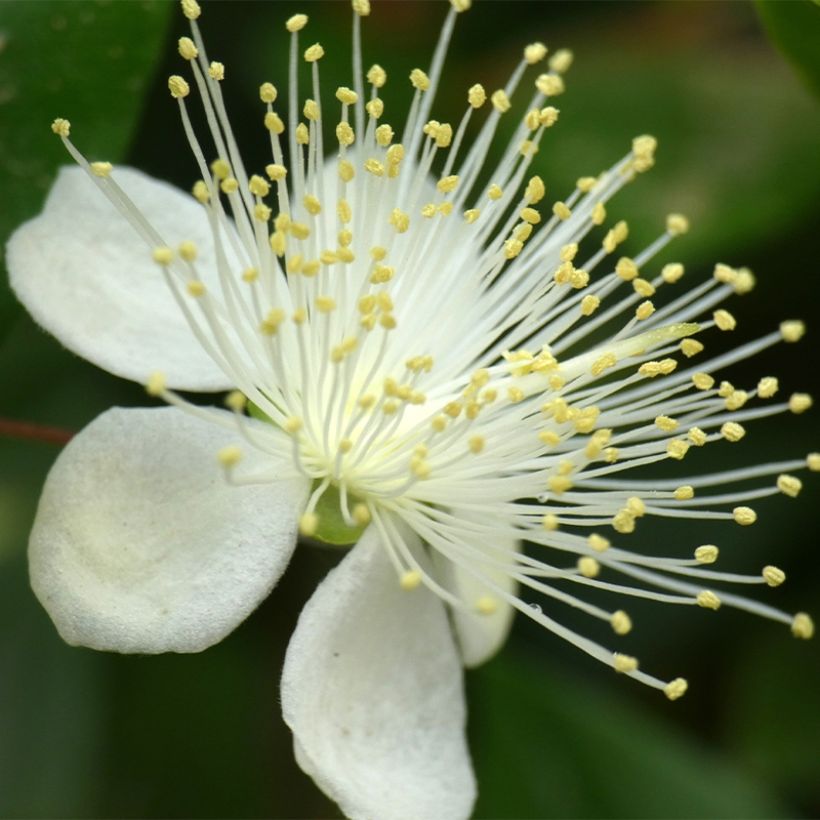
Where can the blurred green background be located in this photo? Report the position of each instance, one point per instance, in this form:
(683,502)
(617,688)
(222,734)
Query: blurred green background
(84,734)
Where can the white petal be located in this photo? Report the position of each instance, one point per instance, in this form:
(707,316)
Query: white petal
(372,689)
(140,545)
(86,276)
(480,636)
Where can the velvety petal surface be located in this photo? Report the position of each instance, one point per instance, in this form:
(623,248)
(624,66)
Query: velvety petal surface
(140,544)
(372,689)
(87,277)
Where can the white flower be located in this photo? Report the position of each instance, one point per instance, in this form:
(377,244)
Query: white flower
(440,363)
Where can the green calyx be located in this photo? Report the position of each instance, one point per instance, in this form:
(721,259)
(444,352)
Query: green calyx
(332,528)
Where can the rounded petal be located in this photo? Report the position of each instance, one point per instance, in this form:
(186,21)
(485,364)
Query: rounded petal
(87,277)
(372,689)
(140,545)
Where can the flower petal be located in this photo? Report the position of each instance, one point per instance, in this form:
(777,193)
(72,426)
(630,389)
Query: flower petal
(372,689)
(86,276)
(140,545)
(480,636)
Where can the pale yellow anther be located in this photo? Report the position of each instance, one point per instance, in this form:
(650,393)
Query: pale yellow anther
(216,71)
(744,282)
(585,185)
(549,437)
(384,135)
(589,304)
(299,230)
(800,402)
(703,381)
(623,522)
(250,275)
(361,514)
(708,600)
(399,220)
(534,53)
(312,204)
(500,101)
(476,95)
(229,185)
(101,169)
(725,274)
(773,576)
(644,147)
(494,192)
(644,310)
(724,320)
(275,172)
(802,626)
(813,462)
(273,122)
(598,215)
(486,605)
(628,271)
(548,116)
(229,456)
(767,387)
(302,134)
(195,288)
(361,7)
(604,363)
(419,80)
(677,224)
(61,127)
(732,431)
(374,108)
(178,87)
(789,485)
(156,385)
(311,110)
(690,347)
(308,524)
(726,389)
(471,215)
(677,449)
(697,436)
(191,9)
(624,663)
(533,193)
(261,212)
(418,467)
(598,542)
(636,506)
(187,49)
(237,401)
(676,688)
(614,236)
(346,170)
(188,250)
(299,316)
(793,330)
(706,554)
(672,272)
(376,76)
(314,53)
(666,423)
(588,566)
(611,455)
(410,580)
(561,210)
(550,85)
(561,60)
(268,93)
(620,622)
(745,516)
(643,288)
(163,256)
(684,492)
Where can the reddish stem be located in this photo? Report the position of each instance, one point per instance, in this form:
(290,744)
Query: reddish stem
(9,428)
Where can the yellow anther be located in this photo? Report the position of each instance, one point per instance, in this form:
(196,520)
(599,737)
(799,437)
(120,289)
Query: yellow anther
(308,524)
(707,554)
(724,320)
(604,363)
(677,224)
(447,184)
(732,431)
(644,310)
(745,516)
(258,186)
(163,256)
(549,437)
(703,381)
(216,71)
(418,467)
(312,204)
(476,95)
(276,172)
(643,288)
(792,331)
(178,87)
(302,134)
(346,170)
(376,76)
(672,272)
(614,236)
(476,444)
(561,60)
(410,580)
(626,269)
(61,127)
(813,462)
(676,688)
(361,7)
(643,149)
(624,663)
(325,304)
(550,85)
(382,274)
(361,514)
(486,605)
(187,49)
(269,326)
(623,522)
(548,116)
(724,274)
(800,402)
(156,385)
(419,80)
(512,247)
(533,193)
(229,185)
(598,542)
(697,436)
(789,485)
(314,53)
(236,401)
(195,288)
(707,599)
(268,93)
(744,282)
(677,448)
(229,456)
(374,108)
(500,101)
(250,275)
(101,169)
(384,135)
(684,492)
(293,425)
(561,210)
(273,122)
(773,576)
(666,423)
(636,506)
(494,192)
(585,185)
(550,522)
(588,566)
(535,52)
(690,347)
(299,316)
(471,215)
(620,622)
(191,9)
(767,387)
(399,220)
(589,304)
(802,626)
(559,484)
(311,110)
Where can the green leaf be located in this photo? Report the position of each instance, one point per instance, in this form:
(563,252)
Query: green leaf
(545,743)
(88,62)
(795,29)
